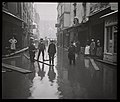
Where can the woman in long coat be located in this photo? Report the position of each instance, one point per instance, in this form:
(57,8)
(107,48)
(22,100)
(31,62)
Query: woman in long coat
(98,49)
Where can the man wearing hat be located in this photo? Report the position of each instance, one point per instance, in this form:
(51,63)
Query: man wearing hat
(41,48)
(51,51)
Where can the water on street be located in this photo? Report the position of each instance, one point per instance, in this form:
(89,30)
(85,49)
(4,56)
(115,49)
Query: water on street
(62,81)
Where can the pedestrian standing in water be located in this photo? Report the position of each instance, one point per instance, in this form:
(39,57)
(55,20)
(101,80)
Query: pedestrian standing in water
(98,49)
(71,53)
(92,48)
(13,42)
(51,51)
(87,49)
(32,50)
(41,47)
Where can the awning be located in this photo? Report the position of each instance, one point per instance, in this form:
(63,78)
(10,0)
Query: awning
(109,14)
(10,14)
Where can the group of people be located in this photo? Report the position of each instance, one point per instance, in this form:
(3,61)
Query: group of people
(42,48)
(91,49)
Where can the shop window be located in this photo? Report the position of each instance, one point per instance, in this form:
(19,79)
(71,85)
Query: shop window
(109,39)
(115,38)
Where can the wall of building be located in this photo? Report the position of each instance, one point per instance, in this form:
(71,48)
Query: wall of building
(18,12)
(79,12)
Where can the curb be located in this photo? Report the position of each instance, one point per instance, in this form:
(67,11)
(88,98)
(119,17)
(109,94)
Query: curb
(106,62)
(11,54)
(103,61)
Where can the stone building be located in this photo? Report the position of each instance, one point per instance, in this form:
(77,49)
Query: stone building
(16,18)
(86,21)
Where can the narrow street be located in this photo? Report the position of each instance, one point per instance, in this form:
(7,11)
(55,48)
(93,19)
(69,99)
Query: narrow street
(88,79)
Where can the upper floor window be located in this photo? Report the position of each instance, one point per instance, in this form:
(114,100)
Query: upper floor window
(74,9)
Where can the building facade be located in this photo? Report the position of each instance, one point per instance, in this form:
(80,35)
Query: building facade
(85,23)
(15,22)
(36,19)
(110,33)
(104,28)
(72,14)
(63,21)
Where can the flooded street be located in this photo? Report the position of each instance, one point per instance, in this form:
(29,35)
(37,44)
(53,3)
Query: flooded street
(61,81)
(59,50)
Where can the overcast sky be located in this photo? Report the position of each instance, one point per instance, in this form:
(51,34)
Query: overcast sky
(47,10)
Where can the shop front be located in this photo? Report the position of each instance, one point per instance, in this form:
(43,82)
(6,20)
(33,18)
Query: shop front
(96,27)
(110,36)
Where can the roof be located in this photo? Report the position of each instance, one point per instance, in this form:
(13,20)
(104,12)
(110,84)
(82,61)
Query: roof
(109,14)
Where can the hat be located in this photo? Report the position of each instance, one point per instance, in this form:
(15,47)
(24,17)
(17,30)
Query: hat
(41,39)
(92,39)
(98,40)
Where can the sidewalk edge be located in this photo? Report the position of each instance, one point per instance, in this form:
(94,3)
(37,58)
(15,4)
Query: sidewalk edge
(106,62)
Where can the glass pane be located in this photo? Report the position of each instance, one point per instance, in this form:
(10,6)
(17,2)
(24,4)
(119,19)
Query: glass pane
(110,33)
(107,38)
(115,42)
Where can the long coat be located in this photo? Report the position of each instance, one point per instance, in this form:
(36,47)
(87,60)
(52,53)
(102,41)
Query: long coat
(71,52)
(52,49)
(92,48)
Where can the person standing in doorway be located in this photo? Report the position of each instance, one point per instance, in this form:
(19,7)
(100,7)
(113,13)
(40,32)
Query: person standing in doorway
(51,51)
(71,53)
(13,42)
(41,47)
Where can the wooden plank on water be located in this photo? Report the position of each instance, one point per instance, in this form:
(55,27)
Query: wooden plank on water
(10,57)
(94,64)
(18,69)
(38,60)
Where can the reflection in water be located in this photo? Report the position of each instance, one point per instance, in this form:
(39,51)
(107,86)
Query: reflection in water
(87,62)
(41,72)
(41,87)
(78,90)
(51,74)
(109,83)
(88,67)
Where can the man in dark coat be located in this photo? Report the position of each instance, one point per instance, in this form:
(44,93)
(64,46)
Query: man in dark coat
(51,51)
(41,47)
(71,53)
